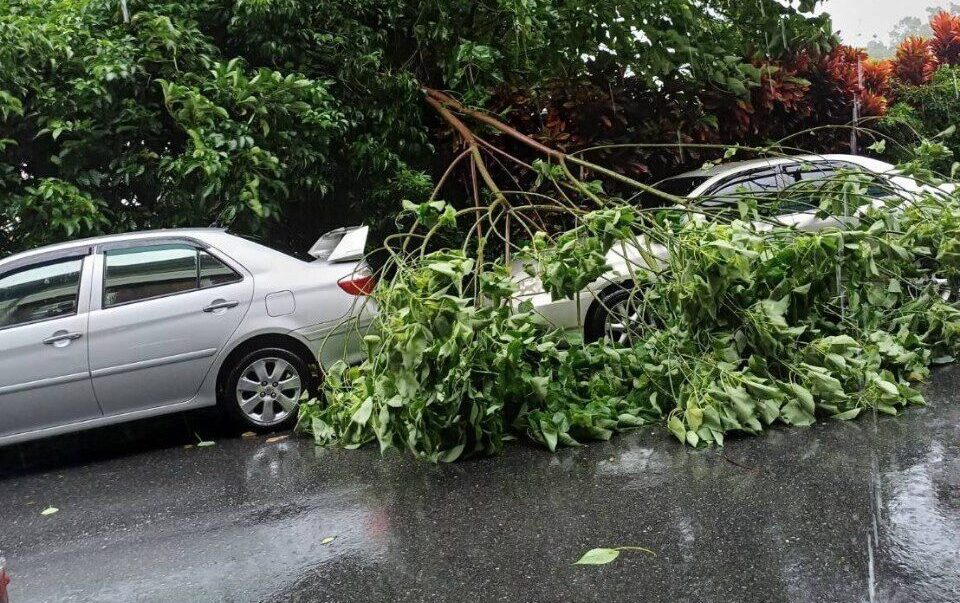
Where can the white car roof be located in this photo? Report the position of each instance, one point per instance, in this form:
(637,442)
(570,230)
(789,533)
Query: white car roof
(734,167)
(716,173)
(202,234)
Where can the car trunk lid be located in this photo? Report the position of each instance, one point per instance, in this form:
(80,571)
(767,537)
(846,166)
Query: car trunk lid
(342,245)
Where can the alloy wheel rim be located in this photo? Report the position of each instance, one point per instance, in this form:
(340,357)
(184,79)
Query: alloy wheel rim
(269,391)
(621,322)
(943,288)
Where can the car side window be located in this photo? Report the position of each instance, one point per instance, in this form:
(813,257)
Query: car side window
(763,185)
(214,273)
(139,273)
(39,293)
(151,271)
(767,181)
(803,191)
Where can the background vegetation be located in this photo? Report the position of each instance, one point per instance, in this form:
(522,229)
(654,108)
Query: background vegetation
(286,116)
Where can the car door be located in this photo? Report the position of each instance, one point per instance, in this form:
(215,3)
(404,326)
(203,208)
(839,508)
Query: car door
(165,310)
(44,372)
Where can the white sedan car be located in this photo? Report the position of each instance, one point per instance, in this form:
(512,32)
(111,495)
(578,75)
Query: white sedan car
(603,306)
(124,327)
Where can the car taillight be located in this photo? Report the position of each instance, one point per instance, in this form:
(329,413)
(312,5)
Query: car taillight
(358,283)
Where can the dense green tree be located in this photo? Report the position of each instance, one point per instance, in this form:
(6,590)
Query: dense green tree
(285,116)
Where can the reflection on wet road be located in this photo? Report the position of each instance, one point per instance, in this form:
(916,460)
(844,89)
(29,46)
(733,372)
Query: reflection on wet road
(865,511)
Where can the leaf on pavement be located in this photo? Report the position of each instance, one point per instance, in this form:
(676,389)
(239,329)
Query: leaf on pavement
(598,557)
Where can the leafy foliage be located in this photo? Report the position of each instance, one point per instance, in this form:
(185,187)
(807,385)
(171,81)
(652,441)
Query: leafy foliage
(448,378)
(915,61)
(740,323)
(795,326)
(288,116)
(149,122)
(946,37)
(927,112)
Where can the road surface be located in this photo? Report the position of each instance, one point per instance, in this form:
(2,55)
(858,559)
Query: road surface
(860,511)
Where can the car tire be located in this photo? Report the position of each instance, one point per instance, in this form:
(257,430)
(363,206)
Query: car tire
(263,390)
(601,315)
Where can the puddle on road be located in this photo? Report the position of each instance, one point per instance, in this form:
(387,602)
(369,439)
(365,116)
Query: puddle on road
(919,529)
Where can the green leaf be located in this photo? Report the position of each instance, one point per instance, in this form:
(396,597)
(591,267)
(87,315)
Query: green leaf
(694,416)
(888,388)
(677,429)
(793,413)
(363,413)
(454,453)
(803,396)
(847,415)
(598,557)
(49,511)
(736,86)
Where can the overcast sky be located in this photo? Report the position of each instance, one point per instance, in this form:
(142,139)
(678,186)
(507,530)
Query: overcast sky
(859,20)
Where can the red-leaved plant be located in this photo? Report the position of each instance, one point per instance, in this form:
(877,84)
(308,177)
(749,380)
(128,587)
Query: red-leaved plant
(915,62)
(843,65)
(780,87)
(855,77)
(946,38)
(876,76)
(872,104)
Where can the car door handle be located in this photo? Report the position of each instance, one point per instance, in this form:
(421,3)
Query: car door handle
(221,304)
(62,338)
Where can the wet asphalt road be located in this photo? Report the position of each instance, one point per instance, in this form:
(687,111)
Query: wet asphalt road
(860,511)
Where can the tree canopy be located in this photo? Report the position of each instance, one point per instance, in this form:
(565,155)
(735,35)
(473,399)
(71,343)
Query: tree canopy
(287,116)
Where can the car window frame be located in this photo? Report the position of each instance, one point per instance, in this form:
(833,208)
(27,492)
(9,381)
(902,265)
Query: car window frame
(792,172)
(210,251)
(835,166)
(198,246)
(712,191)
(49,259)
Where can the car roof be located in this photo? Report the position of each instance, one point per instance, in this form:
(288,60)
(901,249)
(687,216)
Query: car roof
(734,167)
(146,235)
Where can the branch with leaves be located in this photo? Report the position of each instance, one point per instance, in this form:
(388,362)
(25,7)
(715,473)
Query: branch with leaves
(734,322)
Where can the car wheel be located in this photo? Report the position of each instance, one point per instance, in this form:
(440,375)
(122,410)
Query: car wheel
(617,316)
(264,388)
(946,292)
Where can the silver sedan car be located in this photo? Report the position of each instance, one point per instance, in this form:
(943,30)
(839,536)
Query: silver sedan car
(125,327)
